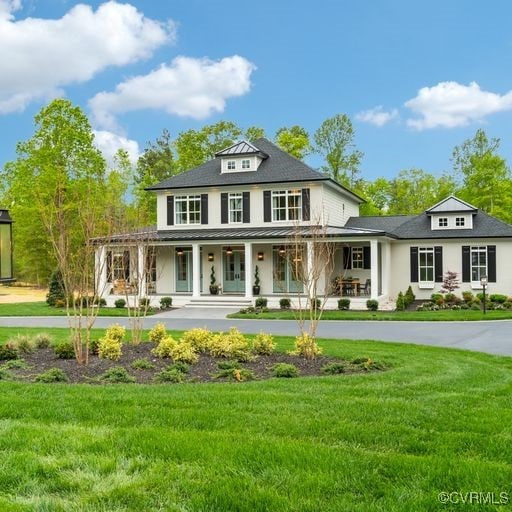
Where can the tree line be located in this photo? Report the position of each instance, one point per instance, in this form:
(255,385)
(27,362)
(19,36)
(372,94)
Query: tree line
(58,173)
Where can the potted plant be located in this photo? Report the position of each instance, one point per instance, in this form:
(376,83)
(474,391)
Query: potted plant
(256,287)
(214,287)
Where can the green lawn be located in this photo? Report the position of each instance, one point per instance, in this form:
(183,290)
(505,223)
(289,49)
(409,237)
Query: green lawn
(42,309)
(443,315)
(439,420)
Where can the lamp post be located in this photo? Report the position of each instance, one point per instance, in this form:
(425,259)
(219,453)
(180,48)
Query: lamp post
(483,282)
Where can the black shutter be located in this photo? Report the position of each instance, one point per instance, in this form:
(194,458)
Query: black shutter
(306,208)
(224,208)
(466,264)
(170,210)
(414,264)
(491,263)
(109,266)
(246,207)
(204,208)
(126,265)
(267,206)
(438,264)
(347,260)
(367,261)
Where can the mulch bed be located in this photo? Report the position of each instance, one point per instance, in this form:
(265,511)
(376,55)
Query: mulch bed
(41,360)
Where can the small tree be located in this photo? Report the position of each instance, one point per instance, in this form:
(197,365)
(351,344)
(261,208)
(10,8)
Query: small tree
(450,282)
(55,289)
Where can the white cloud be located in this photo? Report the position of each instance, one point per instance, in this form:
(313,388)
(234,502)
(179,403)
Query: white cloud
(40,56)
(450,104)
(186,87)
(377,116)
(108,143)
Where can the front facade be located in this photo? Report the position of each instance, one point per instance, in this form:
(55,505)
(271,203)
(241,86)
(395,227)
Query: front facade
(253,205)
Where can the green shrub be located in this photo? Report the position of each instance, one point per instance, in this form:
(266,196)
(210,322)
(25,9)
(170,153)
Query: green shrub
(144,302)
(42,340)
(409,296)
(120,303)
(5,374)
(116,332)
(263,344)
(315,304)
(498,297)
(116,375)
(334,368)
(507,304)
(198,337)
(142,364)
(400,302)
(367,364)
(23,343)
(230,345)
(94,346)
(372,304)
(480,296)
(343,304)
(52,375)
(235,374)
(475,307)
(102,302)
(14,364)
(467,297)
(449,297)
(306,346)
(56,290)
(110,347)
(65,350)
(285,304)
(170,374)
(436,296)
(60,303)
(158,333)
(229,365)
(166,302)
(184,353)
(284,370)
(165,347)
(261,302)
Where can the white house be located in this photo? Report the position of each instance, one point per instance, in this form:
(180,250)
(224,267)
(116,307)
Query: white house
(242,208)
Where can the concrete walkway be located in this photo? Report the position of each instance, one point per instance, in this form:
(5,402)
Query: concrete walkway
(493,337)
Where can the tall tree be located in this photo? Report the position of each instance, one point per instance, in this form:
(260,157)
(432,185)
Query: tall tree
(335,141)
(196,147)
(294,140)
(484,176)
(253,133)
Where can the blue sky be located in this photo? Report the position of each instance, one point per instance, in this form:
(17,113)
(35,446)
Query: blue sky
(416,78)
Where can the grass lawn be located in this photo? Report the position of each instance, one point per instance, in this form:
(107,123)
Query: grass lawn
(443,315)
(42,309)
(438,421)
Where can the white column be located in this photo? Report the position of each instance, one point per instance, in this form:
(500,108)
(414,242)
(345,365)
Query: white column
(309,266)
(196,271)
(100,272)
(386,267)
(374,268)
(141,274)
(249,273)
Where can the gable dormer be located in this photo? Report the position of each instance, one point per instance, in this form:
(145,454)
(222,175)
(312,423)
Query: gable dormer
(241,157)
(451,213)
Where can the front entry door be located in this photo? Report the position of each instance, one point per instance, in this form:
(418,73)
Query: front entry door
(183,270)
(234,271)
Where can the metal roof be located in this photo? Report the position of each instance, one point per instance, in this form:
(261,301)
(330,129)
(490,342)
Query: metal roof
(451,204)
(241,148)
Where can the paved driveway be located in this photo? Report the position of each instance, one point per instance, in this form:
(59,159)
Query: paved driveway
(494,337)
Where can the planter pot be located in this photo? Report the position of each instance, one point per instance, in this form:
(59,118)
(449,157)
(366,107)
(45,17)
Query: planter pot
(214,290)
(256,290)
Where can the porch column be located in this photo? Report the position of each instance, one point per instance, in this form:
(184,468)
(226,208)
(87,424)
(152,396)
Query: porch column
(248,270)
(141,273)
(309,267)
(386,267)
(196,271)
(100,265)
(374,268)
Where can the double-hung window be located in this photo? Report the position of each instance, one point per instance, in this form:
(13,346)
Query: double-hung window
(426,266)
(231,165)
(235,202)
(478,263)
(286,205)
(187,209)
(246,164)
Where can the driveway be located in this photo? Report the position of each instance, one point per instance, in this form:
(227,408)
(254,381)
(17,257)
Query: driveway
(493,337)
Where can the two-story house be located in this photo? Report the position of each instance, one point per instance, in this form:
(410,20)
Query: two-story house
(242,208)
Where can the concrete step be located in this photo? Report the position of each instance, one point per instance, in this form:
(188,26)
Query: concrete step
(219,302)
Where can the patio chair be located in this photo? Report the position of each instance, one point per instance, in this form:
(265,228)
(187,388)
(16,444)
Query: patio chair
(367,288)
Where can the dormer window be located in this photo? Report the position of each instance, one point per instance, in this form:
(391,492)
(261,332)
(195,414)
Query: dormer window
(460,222)
(246,164)
(231,165)
(443,222)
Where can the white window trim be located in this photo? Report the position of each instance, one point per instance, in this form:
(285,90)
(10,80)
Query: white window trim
(236,195)
(445,222)
(460,222)
(287,194)
(477,285)
(357,264)
(177,215)
(244,162)
(229,163)
(427,285)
